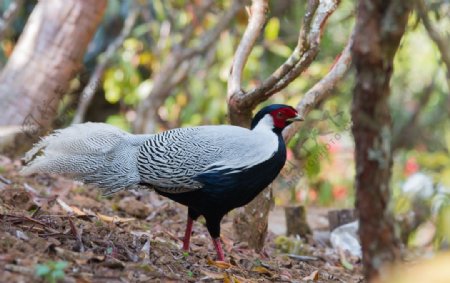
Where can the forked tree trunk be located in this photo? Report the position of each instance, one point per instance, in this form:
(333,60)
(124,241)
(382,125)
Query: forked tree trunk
(47,56)
(380,26)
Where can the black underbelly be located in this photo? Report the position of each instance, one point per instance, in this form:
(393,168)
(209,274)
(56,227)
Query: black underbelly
(223,192)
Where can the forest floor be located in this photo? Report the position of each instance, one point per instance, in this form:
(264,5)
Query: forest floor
(51,224)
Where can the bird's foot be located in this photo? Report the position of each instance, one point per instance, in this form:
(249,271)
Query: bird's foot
(218,247)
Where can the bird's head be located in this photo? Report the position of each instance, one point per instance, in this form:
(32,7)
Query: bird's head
(276,116)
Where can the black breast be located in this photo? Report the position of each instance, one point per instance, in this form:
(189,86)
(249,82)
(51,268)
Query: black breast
(226,190)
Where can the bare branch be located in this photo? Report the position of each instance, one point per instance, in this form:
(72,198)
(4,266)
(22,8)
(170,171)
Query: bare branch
(401,137)
(303,55)
(94,81)
(322,88)
(256,22)
(211,36)
(9,15)
(289,64)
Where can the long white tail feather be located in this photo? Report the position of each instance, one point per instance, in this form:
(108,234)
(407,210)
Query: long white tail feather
(94,153)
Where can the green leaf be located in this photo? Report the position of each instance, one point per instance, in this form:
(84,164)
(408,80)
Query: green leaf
(42,270)
(58,274)
(118,121)
(61,265)
(279,49)
(272,29)
(346,264)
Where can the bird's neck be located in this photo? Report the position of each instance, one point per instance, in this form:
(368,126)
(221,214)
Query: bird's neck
(266,124)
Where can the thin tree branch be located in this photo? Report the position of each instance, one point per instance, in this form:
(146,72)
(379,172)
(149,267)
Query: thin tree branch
(322,88)
(317,13)
(163,81)
(9,15)
(199,16)
(256,22)
(94,81)
(441,42)
(211,36)
(288,65)
(401,137)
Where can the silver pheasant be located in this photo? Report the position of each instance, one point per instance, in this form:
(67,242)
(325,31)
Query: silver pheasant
(210,169)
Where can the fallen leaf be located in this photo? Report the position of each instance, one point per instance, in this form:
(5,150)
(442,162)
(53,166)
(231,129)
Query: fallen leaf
(262,270)
(78,211)
(113,263)
(219,264)
(285,275)
(145,251)
(79,258)
(212,275)
(314,276)
(21,235)
(64,205)
(228,278)
(114,219)
(134,207)
(70,209)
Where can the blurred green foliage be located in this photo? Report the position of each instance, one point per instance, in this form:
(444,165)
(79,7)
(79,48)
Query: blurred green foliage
(52,271)
(322,150)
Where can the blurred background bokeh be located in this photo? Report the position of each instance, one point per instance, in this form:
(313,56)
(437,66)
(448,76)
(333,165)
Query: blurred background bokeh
(320,171)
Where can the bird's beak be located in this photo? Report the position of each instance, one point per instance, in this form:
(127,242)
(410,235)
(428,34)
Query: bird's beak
(296,119)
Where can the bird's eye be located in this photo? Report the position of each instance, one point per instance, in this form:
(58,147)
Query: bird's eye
(280,115)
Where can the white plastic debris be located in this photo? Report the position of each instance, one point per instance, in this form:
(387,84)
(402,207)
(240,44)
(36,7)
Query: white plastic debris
(418,185)
(345,238)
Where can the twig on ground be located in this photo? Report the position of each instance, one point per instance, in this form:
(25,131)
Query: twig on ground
(303,257)
(5,181)
(35,213)
(19,269)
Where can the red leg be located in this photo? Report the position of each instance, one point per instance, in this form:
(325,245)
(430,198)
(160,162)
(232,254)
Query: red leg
(218,247)
(187,234)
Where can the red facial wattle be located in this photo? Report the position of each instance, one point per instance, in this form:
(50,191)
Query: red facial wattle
(281,115)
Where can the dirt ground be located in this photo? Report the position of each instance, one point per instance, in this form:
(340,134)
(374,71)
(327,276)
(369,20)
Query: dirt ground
(134,237)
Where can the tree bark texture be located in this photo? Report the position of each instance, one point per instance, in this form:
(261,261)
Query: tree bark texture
(340,217)
(379,28)
(250,221)
(47,56)
(296,222)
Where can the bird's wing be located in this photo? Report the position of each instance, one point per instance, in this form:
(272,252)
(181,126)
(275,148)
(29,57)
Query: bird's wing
(173,160)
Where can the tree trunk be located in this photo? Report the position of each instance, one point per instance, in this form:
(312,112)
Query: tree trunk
(380,26)
(47,56)
(251,221)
